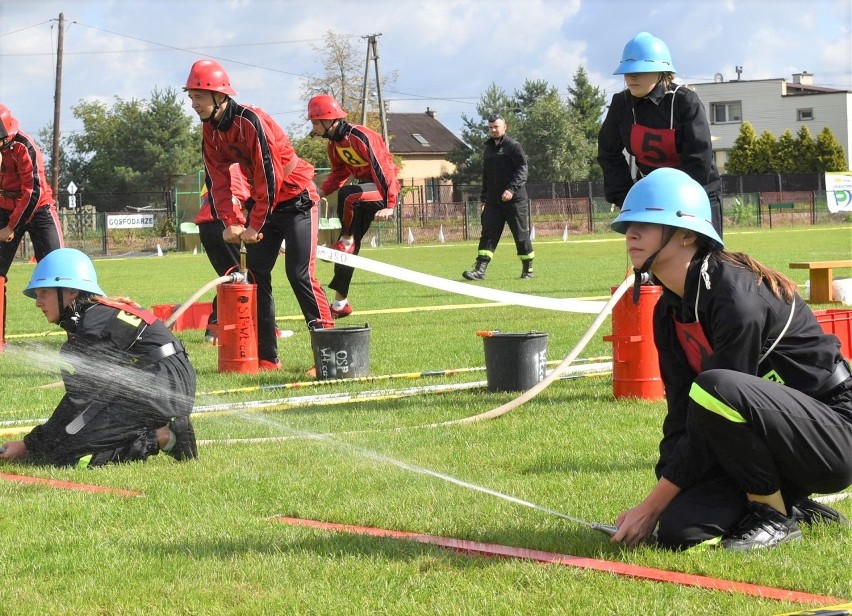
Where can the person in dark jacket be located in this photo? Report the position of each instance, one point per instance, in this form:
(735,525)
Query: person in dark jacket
(129,386)
(659,123)
(504,200)
(759,396)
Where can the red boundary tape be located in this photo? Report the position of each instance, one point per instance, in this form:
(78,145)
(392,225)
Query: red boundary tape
(68,485)
(625,569)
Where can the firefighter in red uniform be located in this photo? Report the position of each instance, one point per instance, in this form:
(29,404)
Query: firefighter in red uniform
(283,204)
(659,123)
(223,256)
(130,387)
(759,397)
(26,200)
(355,152)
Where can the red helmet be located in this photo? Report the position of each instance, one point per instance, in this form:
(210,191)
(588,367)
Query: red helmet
(8,124)
(324,107)
(209,75)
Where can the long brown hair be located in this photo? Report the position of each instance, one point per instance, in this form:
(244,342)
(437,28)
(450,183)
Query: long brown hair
(780,285)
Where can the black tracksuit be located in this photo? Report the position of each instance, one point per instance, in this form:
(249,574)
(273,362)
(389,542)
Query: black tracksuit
(504,167)
(117,365)
(638,125)
(743,425)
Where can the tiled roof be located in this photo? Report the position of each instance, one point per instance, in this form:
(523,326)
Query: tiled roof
(419,133)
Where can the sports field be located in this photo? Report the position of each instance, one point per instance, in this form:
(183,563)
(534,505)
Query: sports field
(206,537)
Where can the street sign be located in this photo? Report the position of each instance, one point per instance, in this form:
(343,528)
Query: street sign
(72,188)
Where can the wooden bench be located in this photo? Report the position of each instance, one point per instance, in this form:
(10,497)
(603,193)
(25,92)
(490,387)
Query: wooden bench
(822,291)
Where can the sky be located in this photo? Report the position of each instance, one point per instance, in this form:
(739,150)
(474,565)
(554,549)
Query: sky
(446,52)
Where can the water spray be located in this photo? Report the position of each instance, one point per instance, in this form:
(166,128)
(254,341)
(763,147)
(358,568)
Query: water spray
(377,457)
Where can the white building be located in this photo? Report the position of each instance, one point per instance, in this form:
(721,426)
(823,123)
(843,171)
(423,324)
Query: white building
(774,105)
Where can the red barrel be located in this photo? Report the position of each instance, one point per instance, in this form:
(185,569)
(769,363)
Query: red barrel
(635,363)
(237,310)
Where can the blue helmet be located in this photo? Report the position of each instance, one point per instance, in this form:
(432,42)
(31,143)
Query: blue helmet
(67,268)
(670,197)
(645,53)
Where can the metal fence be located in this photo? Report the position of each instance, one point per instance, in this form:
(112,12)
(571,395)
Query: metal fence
(432,212)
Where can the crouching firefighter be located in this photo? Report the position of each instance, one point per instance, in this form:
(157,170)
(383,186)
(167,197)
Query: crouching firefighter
(129,386)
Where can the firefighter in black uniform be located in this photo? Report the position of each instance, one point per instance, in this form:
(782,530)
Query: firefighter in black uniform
(129,386)
(504,199)
(759,397)
(659,123)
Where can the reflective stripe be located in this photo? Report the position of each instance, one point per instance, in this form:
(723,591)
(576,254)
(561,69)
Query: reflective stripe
(713,542)
(706,400)
(84,461)
(486,253)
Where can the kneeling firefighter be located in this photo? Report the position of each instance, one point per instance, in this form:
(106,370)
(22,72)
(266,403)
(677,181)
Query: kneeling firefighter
(129,386)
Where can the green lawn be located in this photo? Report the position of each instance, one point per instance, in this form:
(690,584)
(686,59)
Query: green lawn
(202,539)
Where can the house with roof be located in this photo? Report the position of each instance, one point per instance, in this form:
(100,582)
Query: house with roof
(423,144)
(774,105)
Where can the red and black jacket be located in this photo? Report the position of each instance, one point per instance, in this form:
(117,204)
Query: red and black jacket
(249,136)
(22,173)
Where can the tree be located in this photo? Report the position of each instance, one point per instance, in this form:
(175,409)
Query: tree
(587,104)
(763,156)
(343,75)
(806,149)
(785,153)
(829,153)
(536,115)
(467,158)
(740,157)
(135,146)
(557,149)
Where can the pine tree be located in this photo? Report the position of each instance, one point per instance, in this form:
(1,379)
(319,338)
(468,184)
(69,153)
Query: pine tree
(806,151)
(740,156)
(829,154)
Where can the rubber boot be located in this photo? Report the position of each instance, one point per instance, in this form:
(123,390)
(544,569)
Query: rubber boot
(478,271)
(527,272)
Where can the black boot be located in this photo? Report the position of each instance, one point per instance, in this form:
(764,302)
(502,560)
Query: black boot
(478,271)
(763,527)
(527,272)
(808,512)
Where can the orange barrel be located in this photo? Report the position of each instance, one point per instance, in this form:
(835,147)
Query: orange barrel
(635,363)
(237,331)
(2,312)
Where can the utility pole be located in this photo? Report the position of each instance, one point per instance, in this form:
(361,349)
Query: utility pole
(373,54)
(57,104)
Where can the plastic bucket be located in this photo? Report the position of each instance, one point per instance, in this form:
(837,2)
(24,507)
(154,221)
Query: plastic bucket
(342,352)
(635,363)
(514,362)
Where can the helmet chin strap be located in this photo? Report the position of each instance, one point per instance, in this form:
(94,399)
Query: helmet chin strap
(216,106)
(642,275)
(327,130)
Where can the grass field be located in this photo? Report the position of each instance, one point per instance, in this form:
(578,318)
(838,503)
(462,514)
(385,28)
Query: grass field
(202,539)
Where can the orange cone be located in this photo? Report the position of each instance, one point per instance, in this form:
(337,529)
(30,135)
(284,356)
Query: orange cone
(33,259)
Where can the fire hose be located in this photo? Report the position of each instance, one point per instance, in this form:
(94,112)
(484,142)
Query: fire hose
(232,277)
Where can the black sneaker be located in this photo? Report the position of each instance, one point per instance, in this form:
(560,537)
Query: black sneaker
(763,527)
(185,447)
(808,511)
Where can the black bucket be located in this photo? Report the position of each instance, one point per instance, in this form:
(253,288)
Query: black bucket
(342,352)
(514,362)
